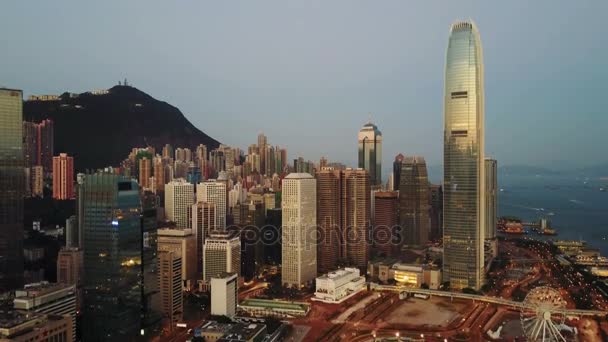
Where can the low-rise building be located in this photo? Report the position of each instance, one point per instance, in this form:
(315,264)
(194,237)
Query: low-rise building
(337,286)
(273,308)
(19,326)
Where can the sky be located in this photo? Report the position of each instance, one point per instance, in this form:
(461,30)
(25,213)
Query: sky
(309,74)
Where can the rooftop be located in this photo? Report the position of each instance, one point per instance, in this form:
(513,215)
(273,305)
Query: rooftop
(274,304)
(299,175)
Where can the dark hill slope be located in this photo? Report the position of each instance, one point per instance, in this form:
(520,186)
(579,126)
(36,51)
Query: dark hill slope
(100,130)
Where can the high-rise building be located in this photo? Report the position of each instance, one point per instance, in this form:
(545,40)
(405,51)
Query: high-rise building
(70,266)
(30,143)
(183,243)
(203,222)
(11,189)
(48,298)
(179,197)
(299,249)
(262,143)
(151,307)
(386,213)
(397,171)
(214,191)
(464,195)
(491,187)
(168,152)
(436,201)
(45,140)
(355,203)
(329,244)
(112,251)
(63,177)
(145,172)
(370,152)
(414,207)
(221,253)
(170,285)
(37,174)
(224,294)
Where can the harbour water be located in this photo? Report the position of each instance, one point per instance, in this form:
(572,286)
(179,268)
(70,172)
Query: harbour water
(576,207)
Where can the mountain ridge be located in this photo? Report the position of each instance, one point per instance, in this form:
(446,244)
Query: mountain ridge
(100,129)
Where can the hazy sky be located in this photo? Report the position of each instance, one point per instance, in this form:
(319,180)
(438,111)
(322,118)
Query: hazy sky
(307,73)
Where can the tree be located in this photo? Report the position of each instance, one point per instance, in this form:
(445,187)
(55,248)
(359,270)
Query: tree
(469,290)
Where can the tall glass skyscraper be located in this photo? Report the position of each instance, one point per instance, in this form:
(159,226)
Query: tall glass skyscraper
(464,199)
(112,225)
(11,189)
(370,152)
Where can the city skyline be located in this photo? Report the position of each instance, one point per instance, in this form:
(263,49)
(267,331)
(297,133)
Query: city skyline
(386,83)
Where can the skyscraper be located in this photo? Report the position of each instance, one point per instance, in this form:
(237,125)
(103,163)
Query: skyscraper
(46,144)
(397,171)
(182,242)
(224,294)
(63,177)
(491,186)
(179,197)
(11,189)
(112,257)
(355,206)
(386,211)
(145,172)
(299,250)
(203,222)
(30,145)
(170,284)
(214,191)
(464,198)
(328,219)
(414,206)
(221,253)
(370,152)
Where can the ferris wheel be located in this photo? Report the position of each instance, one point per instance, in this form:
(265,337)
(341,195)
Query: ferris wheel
(541,319)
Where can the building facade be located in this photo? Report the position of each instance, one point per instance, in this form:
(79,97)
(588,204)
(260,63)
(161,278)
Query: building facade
(464,196)
(337,286)
(299,249)
(183,243)
(63,177)
(11,189)
(224,294)
(329,244)
(179,197)
(221,253)
(370,152)
(112,257)
(414,201)
(355,207)
(170,286)
(214,191)
(386,242)
(491,188)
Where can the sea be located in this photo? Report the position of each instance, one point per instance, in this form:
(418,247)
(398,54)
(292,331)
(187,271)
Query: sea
(574,205)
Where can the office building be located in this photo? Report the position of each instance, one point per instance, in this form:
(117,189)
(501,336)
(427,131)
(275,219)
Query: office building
(414,201)
(299,249)
(63,177)
(386,233)
(183,243)
(145,172)
(170,285)
(491,188)
(355,203)
(214,191)
(70,266)
(224,294)
(464,195)
(203,222)
(112,251)
(397,171)
(45,141)
(30,143)
(328,219)
(37,182)
(370,152)
(221,253)
(11,189)
(179,197)
(19,326)
(48,298)
(337,286)
(436,202)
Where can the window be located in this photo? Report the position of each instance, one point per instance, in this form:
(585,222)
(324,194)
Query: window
(459,95)
(459,133)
